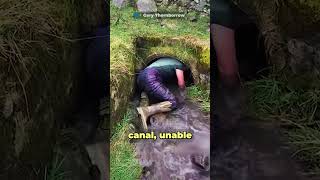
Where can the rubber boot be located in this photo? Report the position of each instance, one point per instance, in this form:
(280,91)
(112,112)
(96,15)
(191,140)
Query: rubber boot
(147,111)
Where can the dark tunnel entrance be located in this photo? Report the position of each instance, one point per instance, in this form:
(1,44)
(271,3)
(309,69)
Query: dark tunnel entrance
(250,52)
(188,74)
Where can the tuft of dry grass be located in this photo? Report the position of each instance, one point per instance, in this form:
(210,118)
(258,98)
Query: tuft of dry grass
(23,25)
(30,54)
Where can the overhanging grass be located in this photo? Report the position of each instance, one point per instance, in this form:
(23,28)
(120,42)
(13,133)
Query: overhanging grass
(181,52)
(296,109)
(31,57)
(200,95)
(123,163)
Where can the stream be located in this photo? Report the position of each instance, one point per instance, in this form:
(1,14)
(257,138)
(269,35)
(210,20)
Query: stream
(164,159)
(253,151)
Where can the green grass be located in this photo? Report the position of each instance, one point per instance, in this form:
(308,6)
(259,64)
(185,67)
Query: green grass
(125,28)
(201,95)
(296,109)
(123,163)
(179,51)
(56,171)
(124,25)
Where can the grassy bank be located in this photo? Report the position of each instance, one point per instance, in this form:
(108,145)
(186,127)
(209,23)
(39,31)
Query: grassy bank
(123,164)
(294,103)
(200,95)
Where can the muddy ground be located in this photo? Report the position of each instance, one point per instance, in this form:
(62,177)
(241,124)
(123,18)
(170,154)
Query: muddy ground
(252,151)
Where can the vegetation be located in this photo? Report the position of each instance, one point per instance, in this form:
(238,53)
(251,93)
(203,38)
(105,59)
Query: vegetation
(310,8)
(56,171)
(125,28)
(126,53)
(25,31)
(201,95)
(34,38)
(123,163)
(296,107)
(181,38)
(24,44)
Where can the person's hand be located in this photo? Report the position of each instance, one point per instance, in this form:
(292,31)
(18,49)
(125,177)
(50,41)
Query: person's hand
(180,78)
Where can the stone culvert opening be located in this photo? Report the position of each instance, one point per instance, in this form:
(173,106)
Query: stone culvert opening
(150,49)
(194,56)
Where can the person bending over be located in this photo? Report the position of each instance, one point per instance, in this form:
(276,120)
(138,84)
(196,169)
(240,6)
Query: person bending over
(153,80)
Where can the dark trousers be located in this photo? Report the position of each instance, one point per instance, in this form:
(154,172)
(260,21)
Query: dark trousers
(151,83)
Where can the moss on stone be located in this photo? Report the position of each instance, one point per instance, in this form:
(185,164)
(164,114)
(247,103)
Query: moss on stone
(205,56)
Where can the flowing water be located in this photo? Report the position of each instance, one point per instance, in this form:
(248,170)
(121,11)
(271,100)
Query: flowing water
(177,158)
(253,151)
